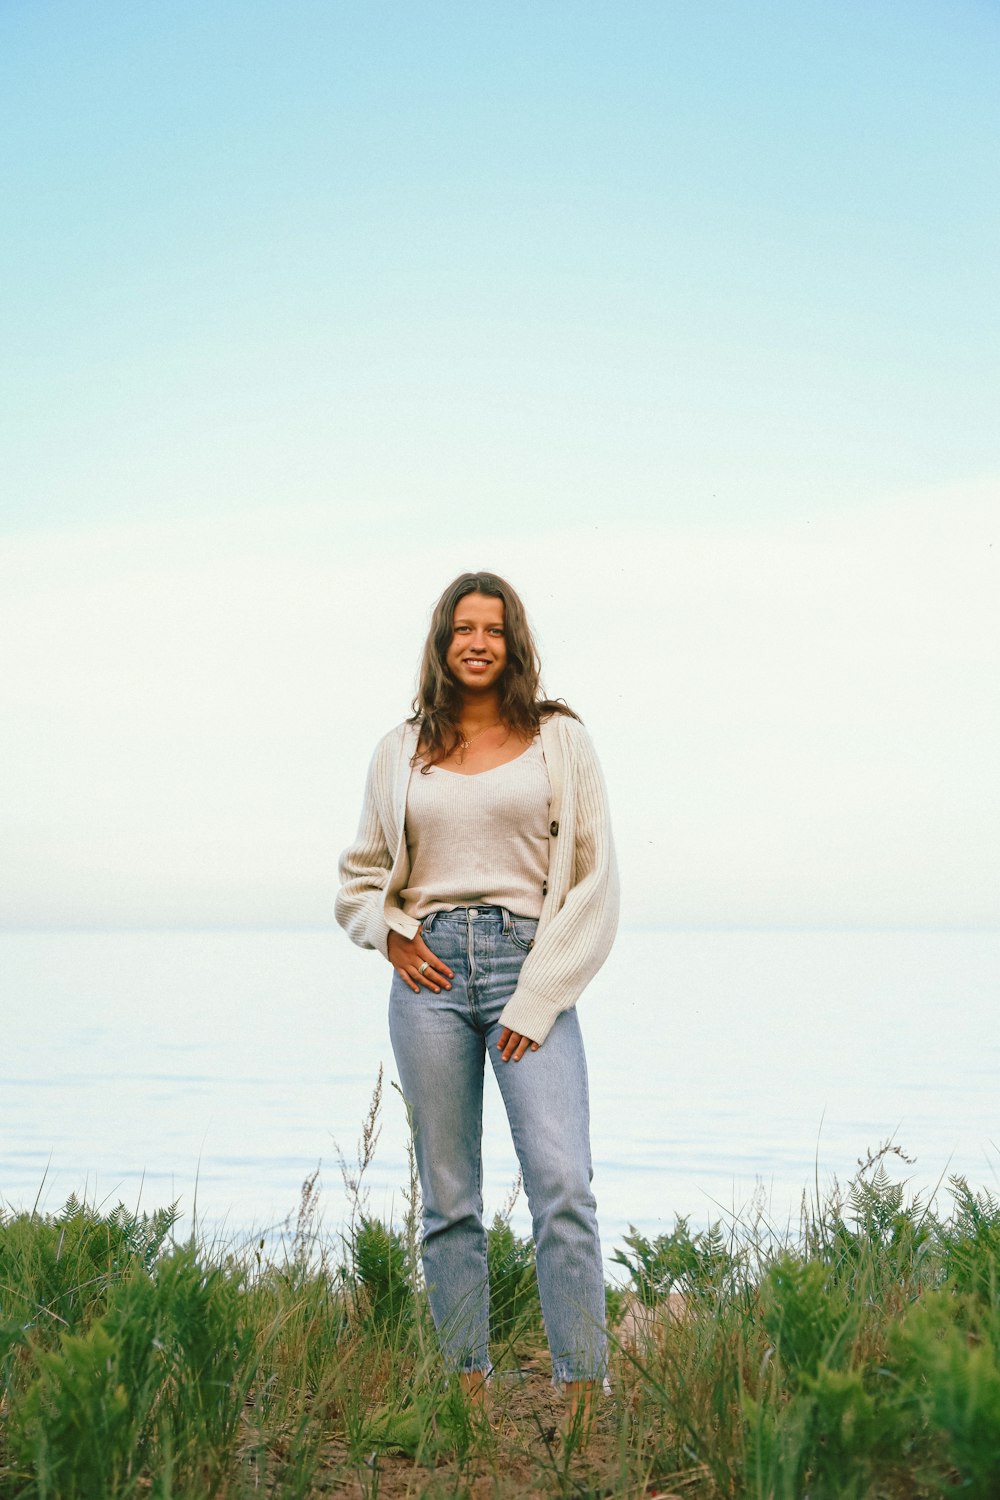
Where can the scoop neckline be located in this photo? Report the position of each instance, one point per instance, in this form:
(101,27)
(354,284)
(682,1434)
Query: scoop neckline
(471,775)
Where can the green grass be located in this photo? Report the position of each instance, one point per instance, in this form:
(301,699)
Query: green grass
(859,1358)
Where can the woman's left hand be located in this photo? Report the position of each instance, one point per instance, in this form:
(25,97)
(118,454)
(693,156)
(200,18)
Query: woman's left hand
(513,1045)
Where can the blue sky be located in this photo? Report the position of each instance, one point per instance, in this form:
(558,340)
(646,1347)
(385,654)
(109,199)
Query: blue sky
(686,315)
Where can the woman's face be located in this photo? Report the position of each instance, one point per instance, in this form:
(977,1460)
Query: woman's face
(477,655)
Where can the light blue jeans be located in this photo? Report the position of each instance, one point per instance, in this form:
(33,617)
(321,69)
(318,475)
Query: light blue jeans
(440,1044)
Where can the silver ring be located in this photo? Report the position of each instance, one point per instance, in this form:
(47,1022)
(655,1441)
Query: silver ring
(423,967)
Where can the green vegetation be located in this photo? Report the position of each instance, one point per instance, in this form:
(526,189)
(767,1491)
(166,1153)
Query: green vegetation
(860,1358)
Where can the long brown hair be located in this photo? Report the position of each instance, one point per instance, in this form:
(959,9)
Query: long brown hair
(437,708)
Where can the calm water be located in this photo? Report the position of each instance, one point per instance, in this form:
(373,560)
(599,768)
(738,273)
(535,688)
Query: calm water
(220,1068)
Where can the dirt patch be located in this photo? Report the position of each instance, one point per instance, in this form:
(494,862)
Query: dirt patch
(520,1456)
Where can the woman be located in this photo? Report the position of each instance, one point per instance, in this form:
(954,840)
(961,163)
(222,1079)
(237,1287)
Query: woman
(484,871)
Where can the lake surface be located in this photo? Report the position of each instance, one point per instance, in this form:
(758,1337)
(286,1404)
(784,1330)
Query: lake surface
(221,1068)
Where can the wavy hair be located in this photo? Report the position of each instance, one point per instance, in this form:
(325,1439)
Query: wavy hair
(437,707)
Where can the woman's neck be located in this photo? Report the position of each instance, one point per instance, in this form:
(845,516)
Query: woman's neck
(479,712)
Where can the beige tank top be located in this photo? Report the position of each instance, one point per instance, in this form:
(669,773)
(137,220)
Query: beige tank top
(479,840)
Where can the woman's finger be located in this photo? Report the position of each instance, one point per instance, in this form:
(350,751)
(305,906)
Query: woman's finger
(513,1045)
(412,957)
(430,964)
(417,964)
(427,977)
(431,958)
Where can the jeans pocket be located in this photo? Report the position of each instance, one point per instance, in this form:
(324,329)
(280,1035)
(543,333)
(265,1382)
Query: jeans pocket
(522,932)
(446,943)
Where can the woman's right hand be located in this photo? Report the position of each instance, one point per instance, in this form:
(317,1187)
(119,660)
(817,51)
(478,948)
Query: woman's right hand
(416,965)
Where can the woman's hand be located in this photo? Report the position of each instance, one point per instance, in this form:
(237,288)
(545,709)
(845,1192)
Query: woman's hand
(414,962)
(513,1045)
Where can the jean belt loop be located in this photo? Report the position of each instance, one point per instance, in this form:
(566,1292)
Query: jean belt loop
(506,920)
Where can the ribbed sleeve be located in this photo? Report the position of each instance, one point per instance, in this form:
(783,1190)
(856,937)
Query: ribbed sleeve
(583,886)
(366,866)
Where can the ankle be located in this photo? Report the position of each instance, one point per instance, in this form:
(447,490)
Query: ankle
(473,1386)
(581,1400)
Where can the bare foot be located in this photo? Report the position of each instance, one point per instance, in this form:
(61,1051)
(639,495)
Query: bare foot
(474,1388)
(578,1420)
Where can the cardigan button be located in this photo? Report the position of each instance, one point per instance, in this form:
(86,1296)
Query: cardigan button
(545,887)
(553,828)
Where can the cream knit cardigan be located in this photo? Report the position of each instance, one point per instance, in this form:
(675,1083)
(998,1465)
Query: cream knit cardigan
(580,906)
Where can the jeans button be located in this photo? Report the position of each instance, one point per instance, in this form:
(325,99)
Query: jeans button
(473,912)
